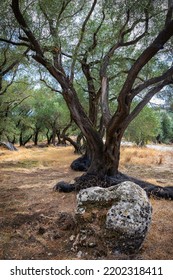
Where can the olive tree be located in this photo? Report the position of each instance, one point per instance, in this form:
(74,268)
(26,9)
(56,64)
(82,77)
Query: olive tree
(114,47)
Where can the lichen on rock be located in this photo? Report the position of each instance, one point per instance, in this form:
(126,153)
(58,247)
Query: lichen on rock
(120,214)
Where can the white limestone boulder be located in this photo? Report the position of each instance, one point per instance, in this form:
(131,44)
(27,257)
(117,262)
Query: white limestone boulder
(121,214)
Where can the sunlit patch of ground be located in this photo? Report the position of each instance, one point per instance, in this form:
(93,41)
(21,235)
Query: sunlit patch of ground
(148,164)
(30,210)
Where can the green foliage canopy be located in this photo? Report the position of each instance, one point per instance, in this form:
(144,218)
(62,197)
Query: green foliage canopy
(145,127)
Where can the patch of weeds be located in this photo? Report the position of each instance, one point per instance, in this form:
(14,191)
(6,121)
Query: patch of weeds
(20,164)
(28,163)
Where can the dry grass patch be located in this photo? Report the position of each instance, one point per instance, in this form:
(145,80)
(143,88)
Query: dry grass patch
(158,244)
(37,157)
(141,156)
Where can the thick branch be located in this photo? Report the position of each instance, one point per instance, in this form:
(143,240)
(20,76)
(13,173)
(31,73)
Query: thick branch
(93,108)
(106,59)
(25,28)
(146,56)
(106,115)
(125,95)
(145,101)
(169,13)
(152,81)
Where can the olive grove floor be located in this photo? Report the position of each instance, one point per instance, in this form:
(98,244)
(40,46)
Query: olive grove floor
(31,213)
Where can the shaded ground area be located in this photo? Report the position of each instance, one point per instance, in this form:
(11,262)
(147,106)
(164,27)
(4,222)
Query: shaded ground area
(37,223)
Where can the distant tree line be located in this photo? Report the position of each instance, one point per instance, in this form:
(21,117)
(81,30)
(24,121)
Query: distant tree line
(151,126)
(34,114)
(39,114)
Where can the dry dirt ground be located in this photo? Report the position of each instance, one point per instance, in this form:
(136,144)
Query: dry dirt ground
(34,221)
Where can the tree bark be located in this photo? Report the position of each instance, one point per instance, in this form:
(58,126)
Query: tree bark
(49,138)
(21,139)
(54,136)
(36,137)
(27,140)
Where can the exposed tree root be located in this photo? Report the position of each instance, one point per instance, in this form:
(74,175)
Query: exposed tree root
(81,164)
(89,180)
